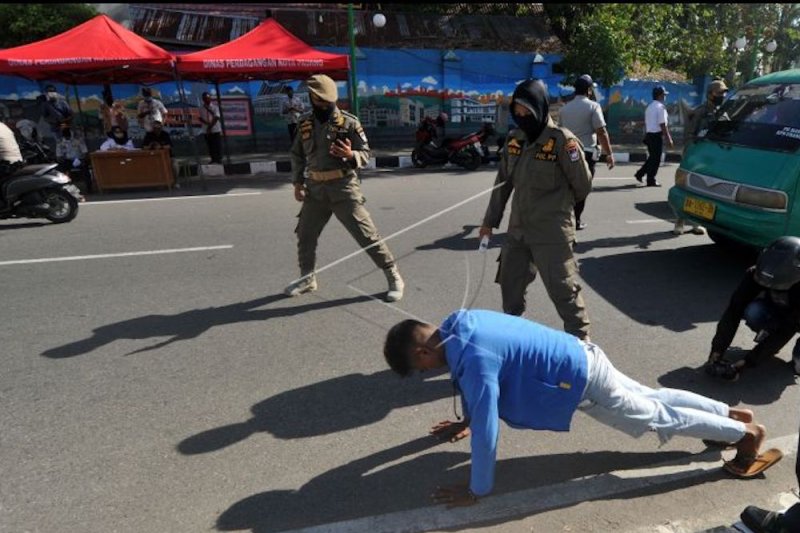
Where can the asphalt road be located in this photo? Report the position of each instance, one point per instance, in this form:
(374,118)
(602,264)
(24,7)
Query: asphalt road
(154,378)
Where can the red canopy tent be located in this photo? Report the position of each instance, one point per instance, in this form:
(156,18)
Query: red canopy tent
(96,52)
(267,52)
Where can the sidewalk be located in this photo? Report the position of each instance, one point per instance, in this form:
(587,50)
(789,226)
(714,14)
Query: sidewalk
(256,163)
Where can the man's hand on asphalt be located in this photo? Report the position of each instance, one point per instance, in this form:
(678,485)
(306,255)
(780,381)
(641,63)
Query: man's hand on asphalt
(485,231)
(454,496)
(299,193)
(451,431)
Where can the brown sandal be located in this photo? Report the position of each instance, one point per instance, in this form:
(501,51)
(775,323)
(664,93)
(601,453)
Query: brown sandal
(747,467)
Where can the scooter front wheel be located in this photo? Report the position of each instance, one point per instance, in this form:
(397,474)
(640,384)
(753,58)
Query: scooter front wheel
(469,159)
(63,206)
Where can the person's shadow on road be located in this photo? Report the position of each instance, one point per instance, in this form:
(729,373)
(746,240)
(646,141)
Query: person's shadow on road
(192,324)
(760,385)
(462,242)
(366,487)
(676,289)
(338,404)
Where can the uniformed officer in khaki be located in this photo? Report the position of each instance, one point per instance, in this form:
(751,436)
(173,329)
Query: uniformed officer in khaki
(330,146)
(545,167)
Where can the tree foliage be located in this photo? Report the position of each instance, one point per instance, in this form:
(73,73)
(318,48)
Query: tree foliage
(27,23)
(608,40)
(692,39)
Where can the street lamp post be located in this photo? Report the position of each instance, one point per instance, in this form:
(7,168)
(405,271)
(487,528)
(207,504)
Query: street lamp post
(741,43)
(353,78)
(379,20)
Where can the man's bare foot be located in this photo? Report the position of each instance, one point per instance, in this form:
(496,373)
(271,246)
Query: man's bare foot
(747,448)
(742,415)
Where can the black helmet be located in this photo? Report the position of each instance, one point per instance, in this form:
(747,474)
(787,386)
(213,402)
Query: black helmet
(778,265)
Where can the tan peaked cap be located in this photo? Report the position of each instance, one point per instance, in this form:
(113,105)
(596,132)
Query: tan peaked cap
(323,86)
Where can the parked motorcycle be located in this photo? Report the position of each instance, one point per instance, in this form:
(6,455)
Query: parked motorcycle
(34,152)
(469,151)
(39,191)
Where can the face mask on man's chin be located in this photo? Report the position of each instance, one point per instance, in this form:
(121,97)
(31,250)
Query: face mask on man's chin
(52,96)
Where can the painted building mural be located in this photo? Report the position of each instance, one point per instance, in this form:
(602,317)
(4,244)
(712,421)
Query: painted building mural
(396,90)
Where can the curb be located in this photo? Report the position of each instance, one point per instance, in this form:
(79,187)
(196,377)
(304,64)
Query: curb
(402,161)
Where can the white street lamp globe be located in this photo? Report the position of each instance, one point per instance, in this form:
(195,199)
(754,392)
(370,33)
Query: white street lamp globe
(379,20)
(772,46)
(740,43)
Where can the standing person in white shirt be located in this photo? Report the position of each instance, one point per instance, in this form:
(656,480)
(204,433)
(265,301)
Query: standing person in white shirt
(584,117)
(656,131)
(292,109)
(150,110)
(209,116)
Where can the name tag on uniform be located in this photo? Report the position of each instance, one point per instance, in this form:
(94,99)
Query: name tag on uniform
(542,156)
(565,385)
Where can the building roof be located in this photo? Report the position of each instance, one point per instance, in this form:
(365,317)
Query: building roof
(193,26)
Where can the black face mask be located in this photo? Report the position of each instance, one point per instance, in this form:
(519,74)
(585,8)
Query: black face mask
(323,114)
(533,95)
(66,134)
(717,100)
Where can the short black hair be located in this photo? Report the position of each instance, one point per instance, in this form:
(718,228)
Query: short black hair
(147,91)
(397,349)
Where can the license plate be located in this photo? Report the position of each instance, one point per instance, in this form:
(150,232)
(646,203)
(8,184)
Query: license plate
(699,208)
(73,190)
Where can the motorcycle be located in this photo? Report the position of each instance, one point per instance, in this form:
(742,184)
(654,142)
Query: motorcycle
(39,191)
(36,153)
(469,151)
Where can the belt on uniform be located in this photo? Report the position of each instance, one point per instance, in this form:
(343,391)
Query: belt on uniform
(326,175)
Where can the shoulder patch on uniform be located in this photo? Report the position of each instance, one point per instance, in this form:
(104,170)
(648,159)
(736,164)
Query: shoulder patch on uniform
(514,147)
(573,149)
(361,134)
(547,153)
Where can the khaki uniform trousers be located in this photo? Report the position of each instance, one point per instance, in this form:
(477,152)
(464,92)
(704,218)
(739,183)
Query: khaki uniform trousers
(342,198)
(519,263)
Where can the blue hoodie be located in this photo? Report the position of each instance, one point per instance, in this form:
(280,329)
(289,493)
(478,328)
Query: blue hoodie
(508,367)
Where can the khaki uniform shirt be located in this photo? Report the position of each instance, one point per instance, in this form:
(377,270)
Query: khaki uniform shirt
(311,147)
(547,177)
(699,119)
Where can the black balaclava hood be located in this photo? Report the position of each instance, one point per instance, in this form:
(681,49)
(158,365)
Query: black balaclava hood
(532,94)
(120,141)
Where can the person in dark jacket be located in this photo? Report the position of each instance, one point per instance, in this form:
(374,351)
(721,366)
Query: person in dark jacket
(534,377)
(55,111)
(768,299)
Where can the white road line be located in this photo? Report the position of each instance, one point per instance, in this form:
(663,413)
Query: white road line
(108,256)
(650,221)
(529,502)
(197,197)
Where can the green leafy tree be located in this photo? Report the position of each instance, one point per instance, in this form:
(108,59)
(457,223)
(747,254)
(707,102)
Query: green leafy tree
(27,23)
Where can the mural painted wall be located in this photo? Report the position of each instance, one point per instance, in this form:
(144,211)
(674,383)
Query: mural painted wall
(396,89)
